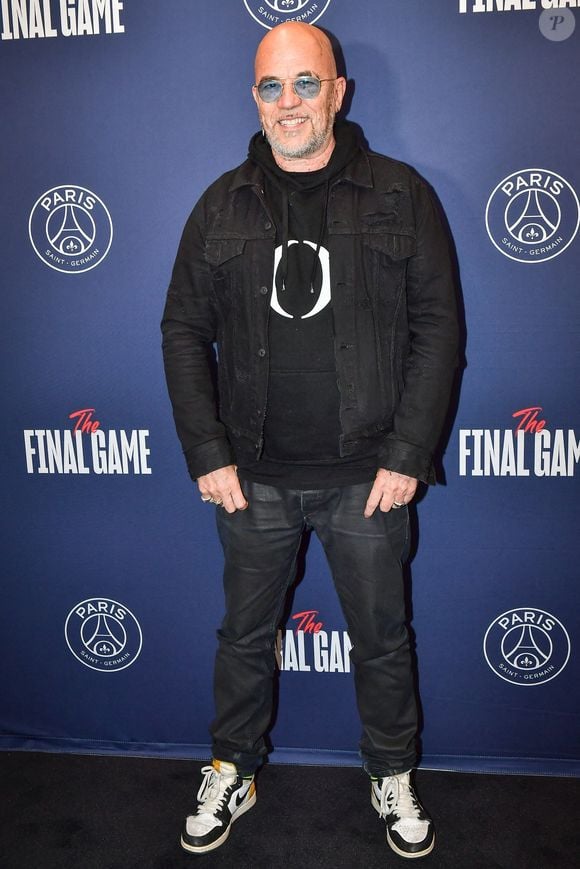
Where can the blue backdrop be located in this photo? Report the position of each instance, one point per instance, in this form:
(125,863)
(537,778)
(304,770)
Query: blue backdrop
(116,117)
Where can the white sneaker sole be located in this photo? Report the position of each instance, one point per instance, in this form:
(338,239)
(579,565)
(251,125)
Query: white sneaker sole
(203,849)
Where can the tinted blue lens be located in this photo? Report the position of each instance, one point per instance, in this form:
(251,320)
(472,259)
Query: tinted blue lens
(270,91)
(306,87)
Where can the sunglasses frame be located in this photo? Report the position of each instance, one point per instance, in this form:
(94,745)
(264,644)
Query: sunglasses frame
(282,82)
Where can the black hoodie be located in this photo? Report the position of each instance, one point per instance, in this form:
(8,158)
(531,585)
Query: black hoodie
(302,425)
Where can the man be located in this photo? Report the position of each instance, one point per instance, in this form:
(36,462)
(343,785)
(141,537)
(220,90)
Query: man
(323,274)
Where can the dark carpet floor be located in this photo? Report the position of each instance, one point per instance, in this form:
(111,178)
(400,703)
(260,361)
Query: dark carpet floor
(75,812)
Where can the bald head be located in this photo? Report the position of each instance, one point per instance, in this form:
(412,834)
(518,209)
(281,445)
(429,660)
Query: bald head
(292,39)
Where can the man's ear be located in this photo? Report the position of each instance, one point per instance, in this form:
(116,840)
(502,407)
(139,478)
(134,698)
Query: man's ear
(339,92)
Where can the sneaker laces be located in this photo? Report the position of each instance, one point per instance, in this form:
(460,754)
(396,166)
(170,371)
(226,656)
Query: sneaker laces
(211,794)
(397,795)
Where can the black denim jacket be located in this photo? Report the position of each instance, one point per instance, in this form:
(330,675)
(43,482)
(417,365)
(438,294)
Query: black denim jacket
(394,310)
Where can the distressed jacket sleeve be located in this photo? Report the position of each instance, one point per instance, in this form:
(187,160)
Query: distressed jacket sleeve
(189,328)
(433,343)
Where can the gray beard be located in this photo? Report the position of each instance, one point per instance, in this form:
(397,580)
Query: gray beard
(306,150)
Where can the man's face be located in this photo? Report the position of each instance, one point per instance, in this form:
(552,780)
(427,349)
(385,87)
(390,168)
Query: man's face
(298,128)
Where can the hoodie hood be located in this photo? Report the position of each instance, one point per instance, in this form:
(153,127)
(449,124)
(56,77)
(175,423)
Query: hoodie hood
(347,144)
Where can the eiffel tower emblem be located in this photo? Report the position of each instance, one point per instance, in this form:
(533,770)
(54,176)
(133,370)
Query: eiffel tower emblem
(71,238)
(533,226)
(527,654)
(102,641)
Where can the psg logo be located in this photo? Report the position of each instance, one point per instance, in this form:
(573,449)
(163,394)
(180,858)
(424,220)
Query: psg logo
(532,215)
(103,634)
(526,646)
(70,229)
(270,13)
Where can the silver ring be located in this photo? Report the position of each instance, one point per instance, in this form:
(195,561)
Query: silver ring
(216,502)
(397,506)
(206,499)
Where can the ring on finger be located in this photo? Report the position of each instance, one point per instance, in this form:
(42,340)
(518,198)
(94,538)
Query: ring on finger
(397,505)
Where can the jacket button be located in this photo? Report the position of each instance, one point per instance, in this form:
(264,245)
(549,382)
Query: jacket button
(267,225)
(264,291)
(261,352)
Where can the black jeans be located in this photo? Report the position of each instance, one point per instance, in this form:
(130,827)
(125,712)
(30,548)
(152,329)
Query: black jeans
(366,556)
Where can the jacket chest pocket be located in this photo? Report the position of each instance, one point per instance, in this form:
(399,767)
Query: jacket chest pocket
(385,259)
(225,259)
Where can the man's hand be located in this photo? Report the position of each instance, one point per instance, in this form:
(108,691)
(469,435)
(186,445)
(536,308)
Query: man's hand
(223,487)
(389,488)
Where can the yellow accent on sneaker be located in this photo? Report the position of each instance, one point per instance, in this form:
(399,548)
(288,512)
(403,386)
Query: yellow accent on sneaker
(224,767)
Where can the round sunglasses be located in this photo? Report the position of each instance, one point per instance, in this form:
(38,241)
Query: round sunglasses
(306,87)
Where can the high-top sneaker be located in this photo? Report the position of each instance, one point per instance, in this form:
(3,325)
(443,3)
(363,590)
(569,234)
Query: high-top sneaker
(409,828)
(222,798)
